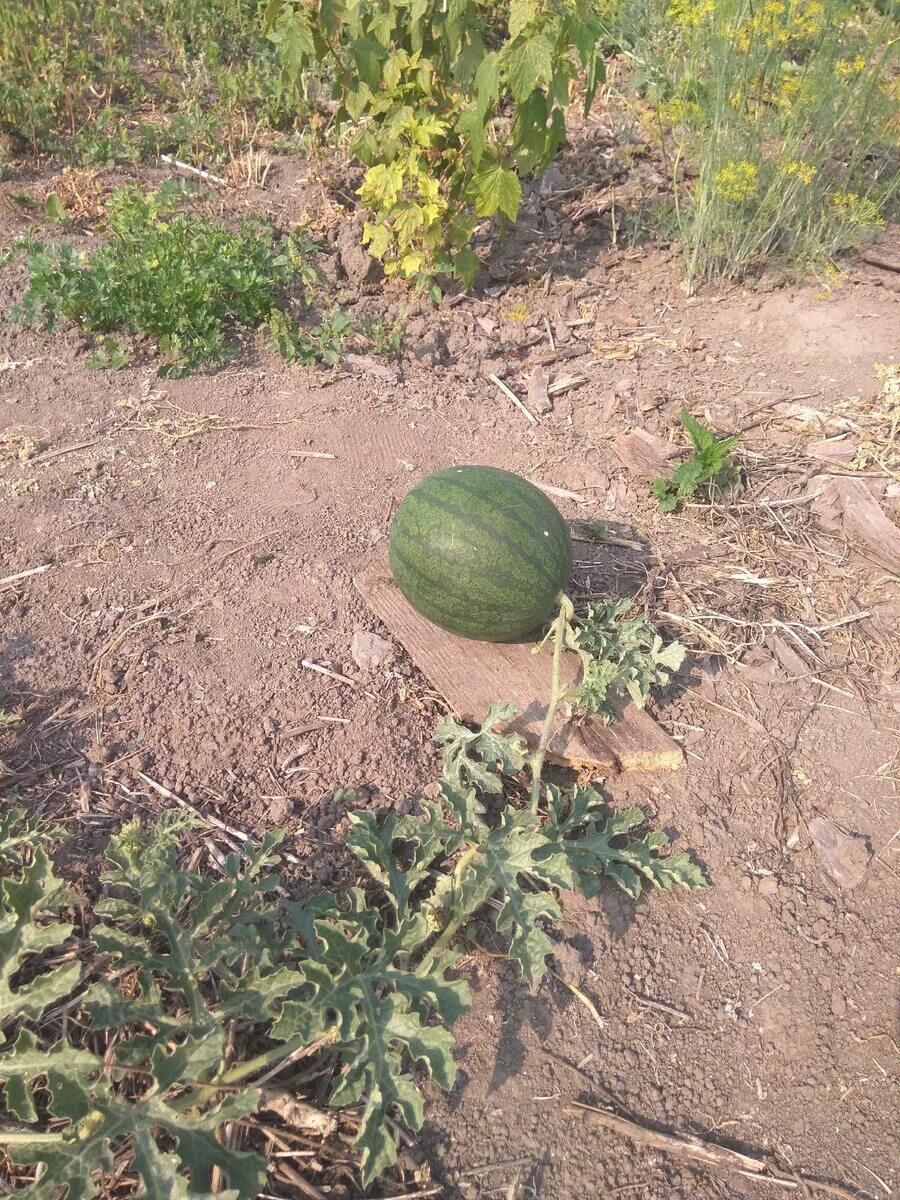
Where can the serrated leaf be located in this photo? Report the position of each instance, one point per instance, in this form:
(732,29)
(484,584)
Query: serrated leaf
(487,83)
(497,189)
(527,63)
(521,14)
(470,125)
(712,463)
(293,35)
(479,757)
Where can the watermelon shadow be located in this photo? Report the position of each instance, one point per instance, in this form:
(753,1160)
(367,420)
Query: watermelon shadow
(613,562)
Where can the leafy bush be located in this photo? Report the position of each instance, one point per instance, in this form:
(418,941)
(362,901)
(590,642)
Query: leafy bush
(426,88)
(780,117)
(711,466)
(183,280)
(206,984)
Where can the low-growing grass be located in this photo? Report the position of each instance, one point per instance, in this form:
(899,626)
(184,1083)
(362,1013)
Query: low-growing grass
(778,122)
(101,83)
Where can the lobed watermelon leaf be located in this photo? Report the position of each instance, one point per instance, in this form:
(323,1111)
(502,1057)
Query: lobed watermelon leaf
(585,840)
(621,657)
(480,757)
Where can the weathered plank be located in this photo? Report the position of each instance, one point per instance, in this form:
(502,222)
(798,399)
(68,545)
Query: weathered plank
(471,675)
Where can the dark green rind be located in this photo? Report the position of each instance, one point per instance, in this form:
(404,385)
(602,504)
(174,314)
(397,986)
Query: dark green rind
(480,552)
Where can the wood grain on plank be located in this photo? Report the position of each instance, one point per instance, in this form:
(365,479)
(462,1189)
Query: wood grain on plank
(471,675)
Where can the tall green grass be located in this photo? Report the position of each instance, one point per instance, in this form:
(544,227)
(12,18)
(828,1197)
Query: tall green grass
(778,121)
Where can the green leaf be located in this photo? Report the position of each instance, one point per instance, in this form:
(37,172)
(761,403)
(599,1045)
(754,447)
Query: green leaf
(527,64)
(465,266)
(510,853)
(487,83)
(293,35)
(470,125)
(424,840)
(497,190)
(620,656)
(160,1177)
(30,925)
(521,14)
(711,463)
(68,1071)
(591,841)
(479,757)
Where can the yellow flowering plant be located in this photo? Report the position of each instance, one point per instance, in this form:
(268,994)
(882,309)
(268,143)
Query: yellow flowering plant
(779,120)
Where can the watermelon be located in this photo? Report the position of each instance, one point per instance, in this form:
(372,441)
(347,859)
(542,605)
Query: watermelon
(480,552)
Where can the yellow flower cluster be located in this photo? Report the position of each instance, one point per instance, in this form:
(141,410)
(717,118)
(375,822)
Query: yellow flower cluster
(857,210)
(778,23)
(795,168)
(845,67)
(736,181)
(677,110)
(690,14)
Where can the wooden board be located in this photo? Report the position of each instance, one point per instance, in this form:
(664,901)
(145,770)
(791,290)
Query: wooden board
(471,675)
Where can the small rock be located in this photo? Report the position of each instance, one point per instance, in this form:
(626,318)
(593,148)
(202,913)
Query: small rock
(844,856)
(624,387)
(494,366)
(280,810)
(366,362)
(369,650)
(538,398)
(767,886)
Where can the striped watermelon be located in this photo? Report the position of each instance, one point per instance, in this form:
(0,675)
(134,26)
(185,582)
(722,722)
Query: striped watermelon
(480,552)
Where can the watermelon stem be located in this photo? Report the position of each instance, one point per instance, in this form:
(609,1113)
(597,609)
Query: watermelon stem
(558,692)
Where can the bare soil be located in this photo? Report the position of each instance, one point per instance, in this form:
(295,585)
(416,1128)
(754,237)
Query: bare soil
(188,580)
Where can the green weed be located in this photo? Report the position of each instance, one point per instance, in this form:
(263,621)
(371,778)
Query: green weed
(323,343)
(385,337)
(711,466)
(71,73)
(184,281)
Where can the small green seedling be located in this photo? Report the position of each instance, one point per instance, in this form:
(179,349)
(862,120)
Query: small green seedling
(712,465)
(322,343)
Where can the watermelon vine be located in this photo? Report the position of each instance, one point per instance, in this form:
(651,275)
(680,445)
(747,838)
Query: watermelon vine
(138,1035)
